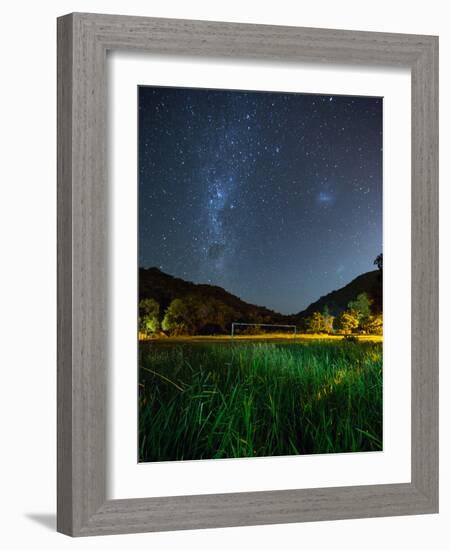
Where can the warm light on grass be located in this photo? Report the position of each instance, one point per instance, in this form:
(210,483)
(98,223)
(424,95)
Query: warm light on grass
(259,337)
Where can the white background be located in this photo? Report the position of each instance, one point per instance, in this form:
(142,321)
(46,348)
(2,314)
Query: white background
(28,274)
(127,479)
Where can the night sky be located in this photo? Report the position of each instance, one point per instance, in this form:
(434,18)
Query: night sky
(276,197)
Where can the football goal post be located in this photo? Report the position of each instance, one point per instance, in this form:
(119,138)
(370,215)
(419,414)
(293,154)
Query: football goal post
(265,326)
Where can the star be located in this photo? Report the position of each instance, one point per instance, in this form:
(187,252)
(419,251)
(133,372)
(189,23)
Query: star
(260,193)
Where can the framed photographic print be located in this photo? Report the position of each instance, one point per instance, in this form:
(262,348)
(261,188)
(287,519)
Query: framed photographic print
(248,202)
(247,216)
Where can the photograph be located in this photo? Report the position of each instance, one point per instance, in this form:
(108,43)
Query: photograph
(260,274)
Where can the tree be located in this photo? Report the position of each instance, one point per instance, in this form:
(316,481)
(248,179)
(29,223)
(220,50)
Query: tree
(148,316)
(377,291)
(374,324)
(362,306)
(327,323)
(177,319)
(379,261)
(224,316)
(316,322)
(327,320)
(197,314)
(211,316)
(348,321)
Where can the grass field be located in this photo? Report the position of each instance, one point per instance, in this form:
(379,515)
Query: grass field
(201,399)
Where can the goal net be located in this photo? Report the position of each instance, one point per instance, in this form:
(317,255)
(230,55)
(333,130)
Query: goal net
(249,329)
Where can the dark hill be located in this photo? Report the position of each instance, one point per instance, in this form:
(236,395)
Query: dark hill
(337,301)
(154,283)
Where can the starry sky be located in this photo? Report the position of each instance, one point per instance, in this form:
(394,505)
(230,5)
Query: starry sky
(276,197)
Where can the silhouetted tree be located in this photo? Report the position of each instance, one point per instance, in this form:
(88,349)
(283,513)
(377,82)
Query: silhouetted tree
(377,291)
(379,261)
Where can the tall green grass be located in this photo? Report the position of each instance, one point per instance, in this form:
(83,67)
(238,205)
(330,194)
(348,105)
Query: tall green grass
(201,401)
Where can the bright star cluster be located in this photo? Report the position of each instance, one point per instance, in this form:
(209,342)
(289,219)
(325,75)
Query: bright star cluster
(276,197)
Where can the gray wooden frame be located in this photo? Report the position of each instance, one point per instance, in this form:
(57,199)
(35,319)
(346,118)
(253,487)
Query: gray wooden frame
(83,40)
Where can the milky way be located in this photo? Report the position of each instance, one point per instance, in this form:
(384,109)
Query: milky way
(275,197)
